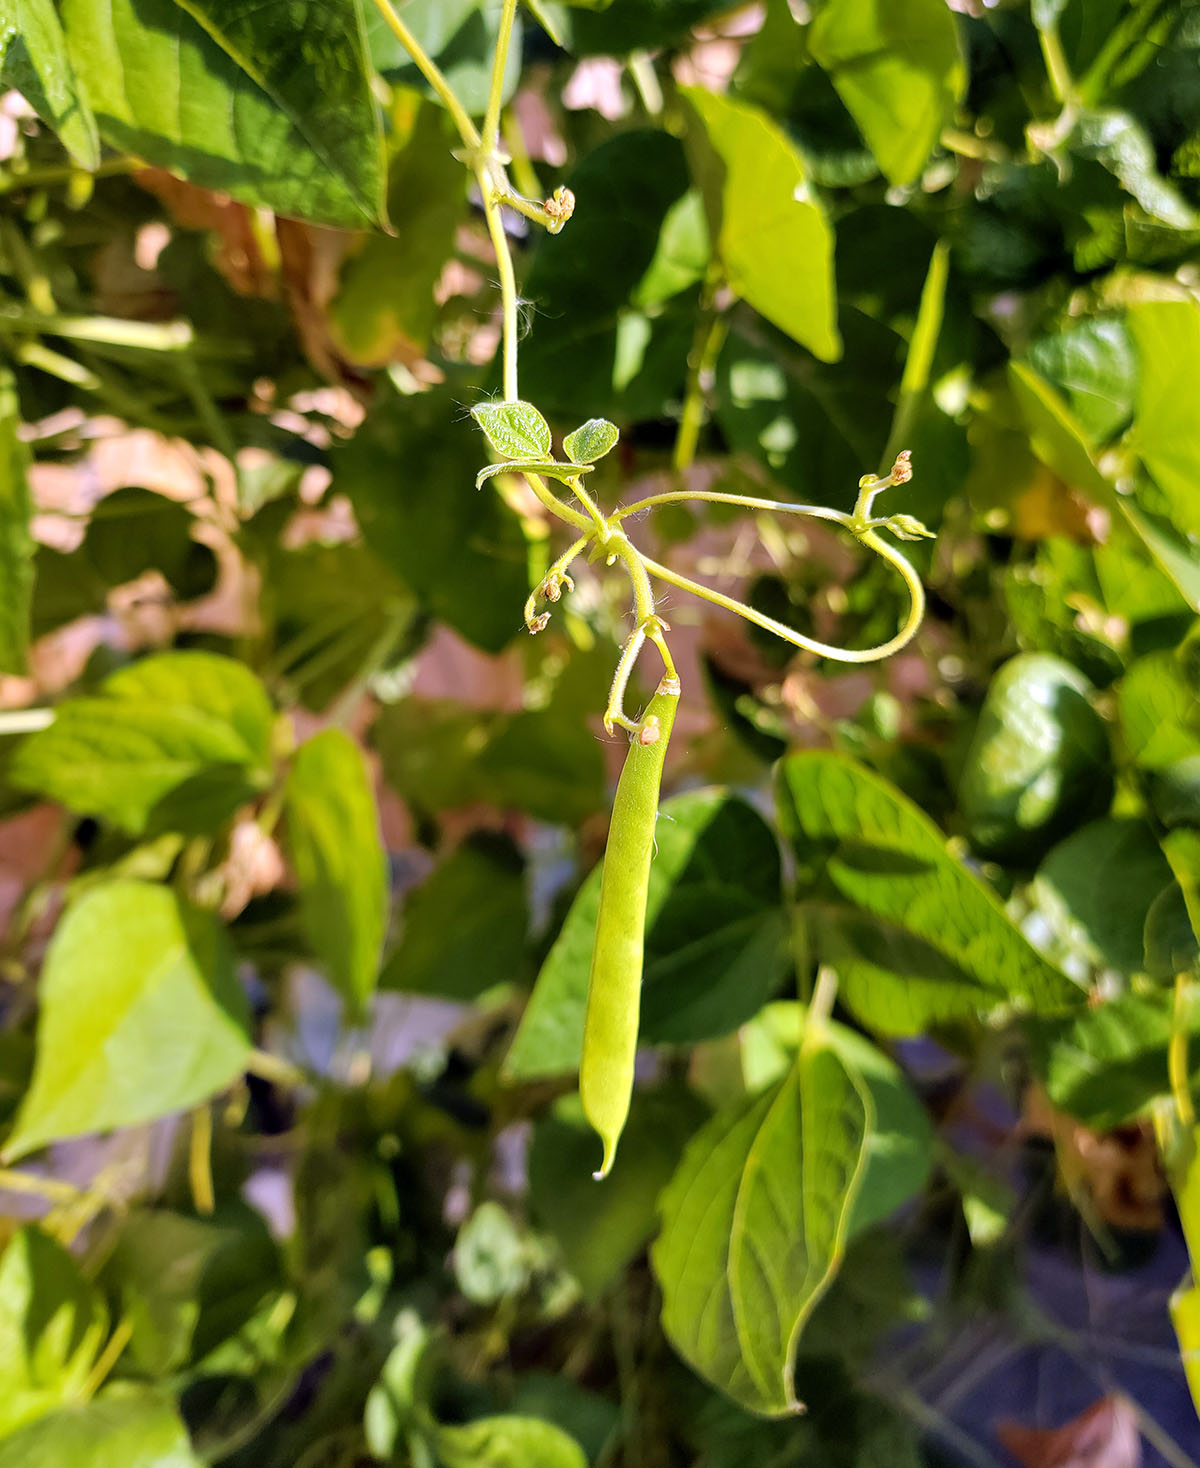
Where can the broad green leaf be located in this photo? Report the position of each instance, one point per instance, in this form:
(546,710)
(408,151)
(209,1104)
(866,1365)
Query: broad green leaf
(515,430)
(714,938)
(1166,434)
(439,755)
(341,870)
(34,60)
(52,1325)
(601,1226)
(772,237)
(896,65)
(1097,886)
(1094,364)
(126,1427)
(1171,944)
(140,1015)
(506,1442)
(269,104)
(463,556)
(754,1226)
(16,542)
(914,936)
(1182,850)
(1160,712)
(464,929)
(175,738)
(1038,763)
(1108,1063)
(591,441)
(385,307)
(681,255)
(186,1285)
(899,1151)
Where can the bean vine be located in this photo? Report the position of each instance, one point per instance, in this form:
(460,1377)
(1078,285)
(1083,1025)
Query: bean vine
(523,442)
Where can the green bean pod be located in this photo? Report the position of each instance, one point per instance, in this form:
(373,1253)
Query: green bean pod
(614,987)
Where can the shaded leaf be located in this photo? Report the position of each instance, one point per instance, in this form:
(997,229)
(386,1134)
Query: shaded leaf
(464,929)
(1097,886)
(34,60)
(341,870)
(141,1014)
(714,938)
(52,1325)
(1160,713)
(1166,434)
(600,1226)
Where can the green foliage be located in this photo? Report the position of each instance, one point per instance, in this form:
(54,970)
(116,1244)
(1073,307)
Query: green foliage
(301,830)
(141,1015)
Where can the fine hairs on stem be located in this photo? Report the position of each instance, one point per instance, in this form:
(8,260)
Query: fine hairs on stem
(603,535)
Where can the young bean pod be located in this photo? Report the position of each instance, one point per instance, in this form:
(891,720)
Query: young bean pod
(614,988)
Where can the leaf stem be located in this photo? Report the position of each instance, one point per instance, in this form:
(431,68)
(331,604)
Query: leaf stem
(432,73)
(200,1160)
(107,1359)
(1177,1054)
(32,1184)
(491,121)
(25,721)
(711,331)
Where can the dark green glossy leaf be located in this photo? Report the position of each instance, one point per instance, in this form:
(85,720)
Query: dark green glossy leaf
(772,237)
(464,929)
(922,938)
(341,868)
(601,1226)
(1093,363)
(34,60)
(897,68)
(1096,888)
(141,1014)
(714,938)
(412,484)
(629,25)
(1038,763)
(270,105)
(1160,714)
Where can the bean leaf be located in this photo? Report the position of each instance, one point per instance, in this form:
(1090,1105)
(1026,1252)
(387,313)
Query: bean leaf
(754,1225)
(33,58)
(333,840)
(141,1015)
(591,441)
(515,430)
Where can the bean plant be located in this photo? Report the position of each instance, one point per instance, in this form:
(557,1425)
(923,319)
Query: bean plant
(835,365)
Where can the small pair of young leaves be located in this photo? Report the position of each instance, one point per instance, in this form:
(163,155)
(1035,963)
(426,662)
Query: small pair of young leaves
(519,432)
(764,1200)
